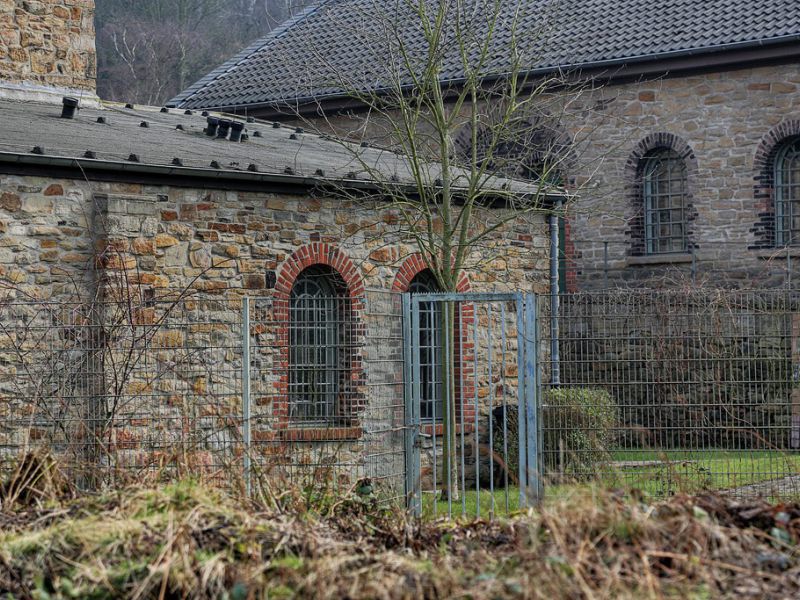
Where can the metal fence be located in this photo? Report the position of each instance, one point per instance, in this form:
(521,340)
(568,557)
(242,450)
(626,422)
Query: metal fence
(472,441)
(674,391)
(663,391)
(123,391)
(595,265)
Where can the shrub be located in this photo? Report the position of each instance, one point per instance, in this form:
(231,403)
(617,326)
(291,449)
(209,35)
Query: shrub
(578,428)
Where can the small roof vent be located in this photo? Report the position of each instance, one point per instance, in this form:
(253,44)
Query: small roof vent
(68,107)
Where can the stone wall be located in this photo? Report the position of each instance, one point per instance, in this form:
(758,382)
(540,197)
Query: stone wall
(725,125)
(137,248)
(48,43)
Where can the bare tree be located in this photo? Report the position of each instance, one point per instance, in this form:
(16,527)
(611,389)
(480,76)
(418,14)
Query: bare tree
(447,86)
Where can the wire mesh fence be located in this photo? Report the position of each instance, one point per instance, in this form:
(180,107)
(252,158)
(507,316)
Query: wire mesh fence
(215,387)
(468,453)
(597,264)
(674,391)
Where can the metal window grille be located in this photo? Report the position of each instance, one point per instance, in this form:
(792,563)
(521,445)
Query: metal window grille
(314,349)
(429,348)
(665,188)
(787,195)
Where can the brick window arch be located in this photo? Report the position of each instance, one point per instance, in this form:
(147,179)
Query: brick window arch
(318,303)
(658,187)
(414,276)
(776,193)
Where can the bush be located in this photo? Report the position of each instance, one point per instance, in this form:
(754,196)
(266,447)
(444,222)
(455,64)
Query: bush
(581,419)
(578,427)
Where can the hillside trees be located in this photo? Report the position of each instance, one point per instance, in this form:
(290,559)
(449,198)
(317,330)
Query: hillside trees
(150,50)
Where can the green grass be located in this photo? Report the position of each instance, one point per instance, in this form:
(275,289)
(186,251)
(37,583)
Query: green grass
(678,471)
(696,471)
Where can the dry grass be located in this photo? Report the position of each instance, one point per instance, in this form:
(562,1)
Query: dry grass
(185,540)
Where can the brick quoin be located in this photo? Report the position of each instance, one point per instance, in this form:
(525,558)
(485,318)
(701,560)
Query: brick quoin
(464,351)
(764,188)
(352,397)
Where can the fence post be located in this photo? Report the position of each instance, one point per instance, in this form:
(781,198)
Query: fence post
(246,393)
(522,431)
(554,299)
(605,265)
(411,393)
(533,475)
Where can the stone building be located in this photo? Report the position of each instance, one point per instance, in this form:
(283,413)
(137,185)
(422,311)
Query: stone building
(686,131)
(153,224)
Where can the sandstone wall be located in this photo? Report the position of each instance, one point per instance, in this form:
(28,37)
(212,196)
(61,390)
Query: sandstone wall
(138,247)
(48,42)
(725,123)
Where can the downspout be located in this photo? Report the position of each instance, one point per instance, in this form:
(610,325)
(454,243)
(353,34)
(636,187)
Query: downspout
(555,358)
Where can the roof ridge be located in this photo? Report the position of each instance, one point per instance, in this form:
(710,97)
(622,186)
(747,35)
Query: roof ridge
(233,62)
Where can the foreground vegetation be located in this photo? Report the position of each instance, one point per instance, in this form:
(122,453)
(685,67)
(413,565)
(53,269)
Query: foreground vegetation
(186,540)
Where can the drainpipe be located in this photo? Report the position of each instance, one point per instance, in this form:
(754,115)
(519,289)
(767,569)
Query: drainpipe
(554,299)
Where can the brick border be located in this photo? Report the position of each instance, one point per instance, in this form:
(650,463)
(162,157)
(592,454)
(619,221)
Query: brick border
(634,193)
(352,396)
(764,178)
(411,267)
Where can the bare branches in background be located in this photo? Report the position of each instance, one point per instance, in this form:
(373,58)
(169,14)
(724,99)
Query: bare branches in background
(148,51)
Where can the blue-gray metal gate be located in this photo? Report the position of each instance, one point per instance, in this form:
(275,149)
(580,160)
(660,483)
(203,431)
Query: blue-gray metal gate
(472,440)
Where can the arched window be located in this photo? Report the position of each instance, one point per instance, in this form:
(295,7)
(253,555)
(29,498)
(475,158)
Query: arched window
(787,195)
(664,184)
(430,357)
(317,315)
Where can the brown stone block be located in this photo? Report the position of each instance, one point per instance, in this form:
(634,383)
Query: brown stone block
(142,245)
(254,281)
(783,88)
(54,190)
(18,54)
(49,256)
(207,235)
(169,215)
(647,96)
(758,87)
(168,339)
(163,240)
(10,202)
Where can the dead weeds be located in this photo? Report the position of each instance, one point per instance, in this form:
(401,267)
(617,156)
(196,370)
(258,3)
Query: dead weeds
(185,540)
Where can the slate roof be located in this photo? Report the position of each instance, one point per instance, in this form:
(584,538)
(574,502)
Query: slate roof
(34,134)
(297,62)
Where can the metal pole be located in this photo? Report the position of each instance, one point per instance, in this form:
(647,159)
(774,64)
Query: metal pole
(554,299)
(521,405)
(605,265)
(534,481)
(694,266)
(410,484)
(788,267)
(246,394)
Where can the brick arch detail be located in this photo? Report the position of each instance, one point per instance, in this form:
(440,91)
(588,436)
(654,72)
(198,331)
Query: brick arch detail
(764,180)
(353,399)
(463,351)
(634,191)
(413,266)
(319,253)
